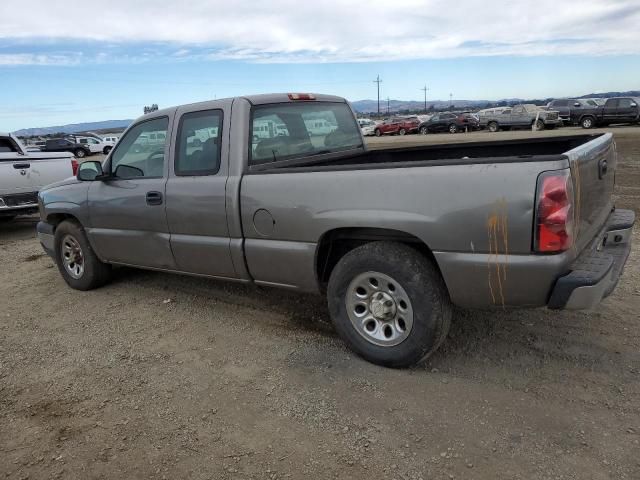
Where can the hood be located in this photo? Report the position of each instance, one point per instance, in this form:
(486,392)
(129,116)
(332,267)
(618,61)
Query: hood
(61,183)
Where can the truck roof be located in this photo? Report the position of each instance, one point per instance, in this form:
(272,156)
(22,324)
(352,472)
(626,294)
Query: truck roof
(260,99)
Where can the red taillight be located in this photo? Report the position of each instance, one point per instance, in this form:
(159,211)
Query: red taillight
(554,212)
(74,166)
(301,96)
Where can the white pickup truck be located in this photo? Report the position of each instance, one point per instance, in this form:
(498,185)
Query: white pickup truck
(23,174)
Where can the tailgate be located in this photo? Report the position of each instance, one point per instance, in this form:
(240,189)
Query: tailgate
(593,167)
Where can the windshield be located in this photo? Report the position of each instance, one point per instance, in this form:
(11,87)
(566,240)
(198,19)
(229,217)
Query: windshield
(296,130)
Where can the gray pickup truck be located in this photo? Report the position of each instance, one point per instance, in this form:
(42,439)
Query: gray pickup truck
(392,237)
(519,116)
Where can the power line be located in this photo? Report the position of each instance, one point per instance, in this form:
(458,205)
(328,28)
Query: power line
(425,90)
(378,81)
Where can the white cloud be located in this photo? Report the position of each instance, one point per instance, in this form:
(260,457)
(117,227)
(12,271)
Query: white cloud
(330,30)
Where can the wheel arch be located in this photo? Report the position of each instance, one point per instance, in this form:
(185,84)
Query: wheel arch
(56,218)
(336,243)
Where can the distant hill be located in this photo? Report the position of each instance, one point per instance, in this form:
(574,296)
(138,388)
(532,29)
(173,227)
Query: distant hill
(105,125)
(630,93)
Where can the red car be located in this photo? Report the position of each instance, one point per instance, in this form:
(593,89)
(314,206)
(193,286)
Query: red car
(397,126)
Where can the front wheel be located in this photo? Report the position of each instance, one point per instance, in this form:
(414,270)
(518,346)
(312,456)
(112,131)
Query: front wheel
(389,304)
(76,260)
(493,127)
(378,132)
(106,150)
(80,153)
(424,130)
(453,128)
(402,131)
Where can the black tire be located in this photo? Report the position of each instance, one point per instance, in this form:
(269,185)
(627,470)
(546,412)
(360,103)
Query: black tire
(402,131)
(453,128)
(106,150)
(538,124)
(7,218)
(587,122)
(95,272)
(377,132)
(493,127)
(426,291)
(80,153)
(424,130)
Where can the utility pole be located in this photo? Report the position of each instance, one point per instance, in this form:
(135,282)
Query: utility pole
(387,105)
(378,81)
(450,100)
(425,90)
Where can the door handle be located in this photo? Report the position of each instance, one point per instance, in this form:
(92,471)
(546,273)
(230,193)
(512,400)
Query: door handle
(154,198)
(21,166)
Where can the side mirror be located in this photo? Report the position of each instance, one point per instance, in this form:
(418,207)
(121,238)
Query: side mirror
(577,104)
(633,104)
(127,171)
(88,171)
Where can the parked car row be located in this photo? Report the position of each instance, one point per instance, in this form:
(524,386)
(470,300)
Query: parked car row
(80,145)
(586,112)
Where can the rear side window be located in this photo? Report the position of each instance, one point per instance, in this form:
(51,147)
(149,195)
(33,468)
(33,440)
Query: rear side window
(7,146)
(296,130)
(198,145)
(624,103)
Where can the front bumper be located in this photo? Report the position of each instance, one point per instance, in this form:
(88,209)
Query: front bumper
(595,273)
(18,204)
(46,237)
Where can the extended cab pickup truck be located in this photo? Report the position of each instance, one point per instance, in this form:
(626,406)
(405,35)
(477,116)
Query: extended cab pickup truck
(393,237)
(23,173)
(520,116)
(614,110)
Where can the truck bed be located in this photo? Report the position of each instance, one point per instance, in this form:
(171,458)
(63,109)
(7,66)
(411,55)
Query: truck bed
(507,151)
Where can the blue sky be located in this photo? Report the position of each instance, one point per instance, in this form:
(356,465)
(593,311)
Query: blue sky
(51,73)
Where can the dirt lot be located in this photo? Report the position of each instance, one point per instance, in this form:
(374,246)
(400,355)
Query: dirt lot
(160,376)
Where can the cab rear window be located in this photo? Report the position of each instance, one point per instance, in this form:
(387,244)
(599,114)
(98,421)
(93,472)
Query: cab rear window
(288,131)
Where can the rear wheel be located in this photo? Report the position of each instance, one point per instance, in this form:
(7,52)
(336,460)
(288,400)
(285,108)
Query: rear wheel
(493,126)
(538,124)
(389,304)
(106,150)
(77,263)
(402,131)
(453,128)
(587,122)
(80,153)
(424,130)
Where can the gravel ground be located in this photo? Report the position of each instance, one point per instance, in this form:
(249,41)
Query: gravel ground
(161,376)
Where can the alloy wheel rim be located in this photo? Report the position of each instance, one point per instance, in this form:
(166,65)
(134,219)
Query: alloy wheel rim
(72,257)
(379,309)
